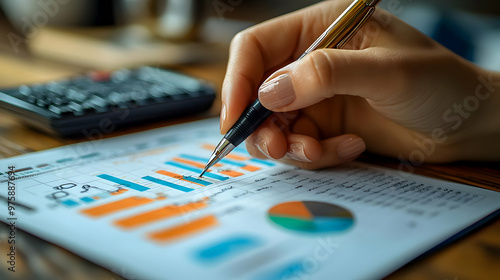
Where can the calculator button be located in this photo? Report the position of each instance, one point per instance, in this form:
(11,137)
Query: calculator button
(76,95)
(24,90)
(59,110)
(100,76)
(139,95)
(120,75)
(98,101)
(31,99)
(75,107)
(56,87)
(53,98)
(41,103)
(115,98)
(55,109)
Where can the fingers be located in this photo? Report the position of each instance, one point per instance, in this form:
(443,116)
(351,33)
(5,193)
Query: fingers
(268,141)
(331,152)
(267,47)
(274,142)
(370,73)
(302,148)
(270,144)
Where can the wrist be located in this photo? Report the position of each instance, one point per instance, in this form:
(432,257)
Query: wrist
(480,138)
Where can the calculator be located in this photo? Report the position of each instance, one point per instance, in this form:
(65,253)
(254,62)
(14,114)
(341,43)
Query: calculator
(104,100)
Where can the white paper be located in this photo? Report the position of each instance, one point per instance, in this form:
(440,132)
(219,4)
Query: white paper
(230,228)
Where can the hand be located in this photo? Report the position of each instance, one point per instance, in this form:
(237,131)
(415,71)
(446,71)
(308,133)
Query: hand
(391,90)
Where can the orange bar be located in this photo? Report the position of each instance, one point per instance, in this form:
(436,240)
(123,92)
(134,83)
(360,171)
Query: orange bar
(190,162)
(194,163)
(231,173)
(159,214)
(250,168)
(176,176)
(208,147)
(96,197)
(183,230)
(119,191)
(236,157)
(115,206)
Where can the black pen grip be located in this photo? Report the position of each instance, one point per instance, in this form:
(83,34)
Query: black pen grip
(248,122)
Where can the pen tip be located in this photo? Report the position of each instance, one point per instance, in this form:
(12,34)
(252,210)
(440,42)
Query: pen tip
(203,172)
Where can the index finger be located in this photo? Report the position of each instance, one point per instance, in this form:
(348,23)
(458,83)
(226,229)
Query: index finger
(264,47)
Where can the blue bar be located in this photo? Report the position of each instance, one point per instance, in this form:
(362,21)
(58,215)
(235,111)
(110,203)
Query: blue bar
(69,202)
(64,160)
(87,199)
(227,161)
(90,155)
(262,161)
(167,184)
(195,158)
(122,182)
(227,248)
(195,180)
(197,170)
(215,176)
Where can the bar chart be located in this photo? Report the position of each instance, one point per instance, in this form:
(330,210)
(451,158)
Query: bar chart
(172,174)
(169,174)
(180,173)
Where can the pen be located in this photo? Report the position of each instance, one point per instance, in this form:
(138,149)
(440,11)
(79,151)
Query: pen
(335,36)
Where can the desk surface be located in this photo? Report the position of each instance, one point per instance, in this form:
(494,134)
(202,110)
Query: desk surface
(475,256)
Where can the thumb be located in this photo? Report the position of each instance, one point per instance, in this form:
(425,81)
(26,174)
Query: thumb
(324,73)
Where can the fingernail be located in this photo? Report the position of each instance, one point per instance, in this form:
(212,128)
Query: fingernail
(277,92)
(350,148)
(296,152)
(223,114)
(262,146)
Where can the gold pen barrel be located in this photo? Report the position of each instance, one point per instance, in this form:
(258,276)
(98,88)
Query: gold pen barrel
(346,25)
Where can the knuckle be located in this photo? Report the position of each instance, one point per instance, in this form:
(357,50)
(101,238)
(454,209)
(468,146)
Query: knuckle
(238,38)
(243,37)
(323,70)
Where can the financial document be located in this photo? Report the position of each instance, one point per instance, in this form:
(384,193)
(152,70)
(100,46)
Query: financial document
(135,205)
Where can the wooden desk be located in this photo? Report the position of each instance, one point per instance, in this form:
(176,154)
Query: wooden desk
(475,256)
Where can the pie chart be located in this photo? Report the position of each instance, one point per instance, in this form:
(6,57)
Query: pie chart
(311,217)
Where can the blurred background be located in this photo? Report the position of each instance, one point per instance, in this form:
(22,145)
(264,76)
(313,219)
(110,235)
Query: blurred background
(186,31)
